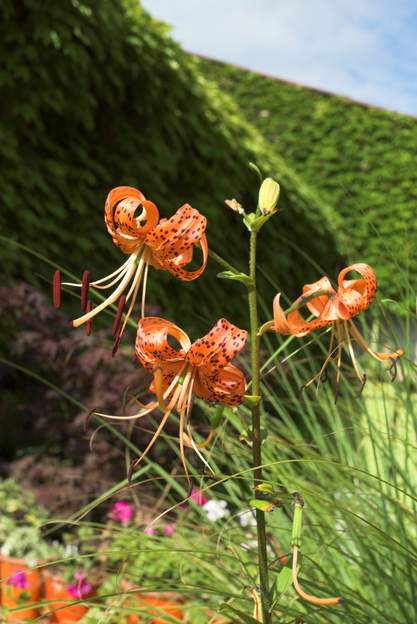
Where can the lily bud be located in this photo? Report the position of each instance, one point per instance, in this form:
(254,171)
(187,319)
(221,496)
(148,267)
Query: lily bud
(268,196)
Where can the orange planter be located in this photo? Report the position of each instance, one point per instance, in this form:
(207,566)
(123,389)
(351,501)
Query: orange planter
(162,604)
(56,591)
(10,594)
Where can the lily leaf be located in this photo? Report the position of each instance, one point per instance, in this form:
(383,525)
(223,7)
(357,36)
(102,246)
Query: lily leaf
(284,580)
(255,167)
(239,277)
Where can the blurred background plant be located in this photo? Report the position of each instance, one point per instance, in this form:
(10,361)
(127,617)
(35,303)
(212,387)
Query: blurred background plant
(109,98)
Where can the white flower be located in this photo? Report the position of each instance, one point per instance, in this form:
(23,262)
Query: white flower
(216,510)
(71,550)
(247,519)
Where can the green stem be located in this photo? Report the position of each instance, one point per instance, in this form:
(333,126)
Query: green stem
(256,431)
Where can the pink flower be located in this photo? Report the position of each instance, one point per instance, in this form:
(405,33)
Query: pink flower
(80,588)
(149,531)
(169,529)
(198,497)
(122,511)
(19,579)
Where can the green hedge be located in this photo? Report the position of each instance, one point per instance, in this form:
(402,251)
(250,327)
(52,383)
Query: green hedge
(99,95)
(361,161)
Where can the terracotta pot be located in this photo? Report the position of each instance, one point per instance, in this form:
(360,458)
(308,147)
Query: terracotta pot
(10,594)
(163,604)
(56,591)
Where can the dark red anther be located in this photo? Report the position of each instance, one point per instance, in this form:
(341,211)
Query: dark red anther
(84,290)
(116,324)
(116,344)
(56,290)
(88,309)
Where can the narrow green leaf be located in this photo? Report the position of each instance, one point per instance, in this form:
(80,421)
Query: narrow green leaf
(239,277)
(255,167)
(284,580)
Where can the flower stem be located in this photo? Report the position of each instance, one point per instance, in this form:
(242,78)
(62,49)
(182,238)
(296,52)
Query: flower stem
(256,431)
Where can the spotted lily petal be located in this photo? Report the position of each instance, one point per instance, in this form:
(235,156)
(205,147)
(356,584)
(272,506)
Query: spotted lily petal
(217,348)
(173,240)
(152,346)
(354,296)
(293,324)
(226,386)
(119,214)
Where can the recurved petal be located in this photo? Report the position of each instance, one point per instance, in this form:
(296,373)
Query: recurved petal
(152,347)
(355,295)
(120,215)
(226,386)
(176,265)
(293,324)
(113,198)
(172,237)
(319,304)
(217,348)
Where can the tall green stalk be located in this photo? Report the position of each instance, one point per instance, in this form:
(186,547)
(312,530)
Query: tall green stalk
(256,430)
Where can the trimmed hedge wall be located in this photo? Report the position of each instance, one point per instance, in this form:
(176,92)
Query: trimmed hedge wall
(98,95)
(361,160)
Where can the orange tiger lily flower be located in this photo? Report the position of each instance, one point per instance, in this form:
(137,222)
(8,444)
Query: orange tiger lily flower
(335,308)
(201,369)
(166,244)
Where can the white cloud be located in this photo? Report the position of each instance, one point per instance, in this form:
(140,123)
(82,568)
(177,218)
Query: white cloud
(363,49)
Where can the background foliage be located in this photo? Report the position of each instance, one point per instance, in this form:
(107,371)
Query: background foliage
(359,159)
(98,95)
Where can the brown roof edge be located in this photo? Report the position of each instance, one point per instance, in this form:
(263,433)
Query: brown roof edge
(303,86)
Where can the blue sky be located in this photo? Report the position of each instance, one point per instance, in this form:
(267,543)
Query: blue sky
(365,49)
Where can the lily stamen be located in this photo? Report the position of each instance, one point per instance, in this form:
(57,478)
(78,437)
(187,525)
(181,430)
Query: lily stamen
(127,276)
(200,369)
(361,376)
(116,275)
(119,314)
(57,289)
(339,353)
(85,284)
(380,357)
(166,244)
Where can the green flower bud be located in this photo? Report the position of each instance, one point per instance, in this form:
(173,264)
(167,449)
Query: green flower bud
(268,196)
